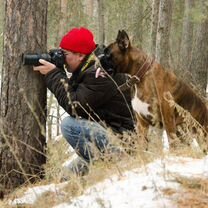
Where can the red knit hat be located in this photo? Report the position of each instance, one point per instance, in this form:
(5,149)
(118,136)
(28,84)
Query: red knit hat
(79,40)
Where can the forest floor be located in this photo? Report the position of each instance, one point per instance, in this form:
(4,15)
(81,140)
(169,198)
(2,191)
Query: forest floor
(146,179)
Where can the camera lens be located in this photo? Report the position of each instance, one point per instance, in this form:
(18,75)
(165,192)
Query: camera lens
(33,59)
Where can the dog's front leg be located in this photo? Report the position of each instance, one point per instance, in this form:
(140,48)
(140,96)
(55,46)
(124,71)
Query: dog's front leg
(168,119)
(142,130)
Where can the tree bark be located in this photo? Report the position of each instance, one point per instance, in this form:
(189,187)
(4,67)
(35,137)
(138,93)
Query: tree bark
(49,116)
(187,36)
(101,22)
(90,7)
(23,95)
(62,20)
(163,32)
(138,22)
(154,24)
(57,120)
(200,52)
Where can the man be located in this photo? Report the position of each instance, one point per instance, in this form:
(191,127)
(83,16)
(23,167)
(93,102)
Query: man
(92,101)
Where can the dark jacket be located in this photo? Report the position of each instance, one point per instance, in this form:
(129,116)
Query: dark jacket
(93,98)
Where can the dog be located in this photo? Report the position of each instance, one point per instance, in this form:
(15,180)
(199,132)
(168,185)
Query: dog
(155,87)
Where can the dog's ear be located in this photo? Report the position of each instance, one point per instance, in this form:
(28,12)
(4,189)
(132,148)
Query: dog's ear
(123,40)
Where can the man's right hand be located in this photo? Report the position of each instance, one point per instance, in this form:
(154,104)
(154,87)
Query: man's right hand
(45,68)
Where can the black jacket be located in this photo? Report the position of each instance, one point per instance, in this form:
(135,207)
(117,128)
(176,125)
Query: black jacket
(93,98)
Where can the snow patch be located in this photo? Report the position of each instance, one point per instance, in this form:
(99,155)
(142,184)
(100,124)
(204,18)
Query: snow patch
(140,187)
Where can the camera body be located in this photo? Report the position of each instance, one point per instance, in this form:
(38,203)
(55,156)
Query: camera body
(55,56)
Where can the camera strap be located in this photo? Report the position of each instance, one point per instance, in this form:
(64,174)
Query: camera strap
(88,61)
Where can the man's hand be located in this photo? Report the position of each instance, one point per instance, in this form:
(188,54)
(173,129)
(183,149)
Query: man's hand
(45,67)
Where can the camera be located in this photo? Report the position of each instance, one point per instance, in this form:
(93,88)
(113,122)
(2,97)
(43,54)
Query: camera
(55,56)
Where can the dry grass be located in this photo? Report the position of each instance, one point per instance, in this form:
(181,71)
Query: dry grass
(193,194)
(99,171)
(57,153)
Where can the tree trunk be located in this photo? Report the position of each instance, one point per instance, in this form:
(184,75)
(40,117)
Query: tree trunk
(49,116)
(62,21)
(154,24)
(200,52)
(61,31)
(176,33)
(90,7)
(101,22)
(163,32)
(23,95)
(57,121)
(138,29)
(187,36)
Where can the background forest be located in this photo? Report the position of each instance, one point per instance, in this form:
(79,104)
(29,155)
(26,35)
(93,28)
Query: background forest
(174,31)
(182,24)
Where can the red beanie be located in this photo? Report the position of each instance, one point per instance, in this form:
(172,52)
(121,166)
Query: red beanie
(78,40)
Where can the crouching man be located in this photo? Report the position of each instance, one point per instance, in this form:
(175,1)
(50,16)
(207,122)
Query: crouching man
(93,102)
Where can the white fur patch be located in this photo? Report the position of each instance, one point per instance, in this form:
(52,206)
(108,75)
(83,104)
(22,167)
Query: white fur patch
(139,106)
(195,145)
(165,141)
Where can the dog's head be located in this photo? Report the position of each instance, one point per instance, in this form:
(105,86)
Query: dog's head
(124,57)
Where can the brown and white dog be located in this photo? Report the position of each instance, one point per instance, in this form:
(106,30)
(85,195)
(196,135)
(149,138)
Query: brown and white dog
(154,82)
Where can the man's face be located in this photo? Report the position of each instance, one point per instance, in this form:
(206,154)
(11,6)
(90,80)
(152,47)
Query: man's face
(73,60)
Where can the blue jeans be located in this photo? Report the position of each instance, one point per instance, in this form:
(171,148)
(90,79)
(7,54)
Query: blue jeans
(84,135)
